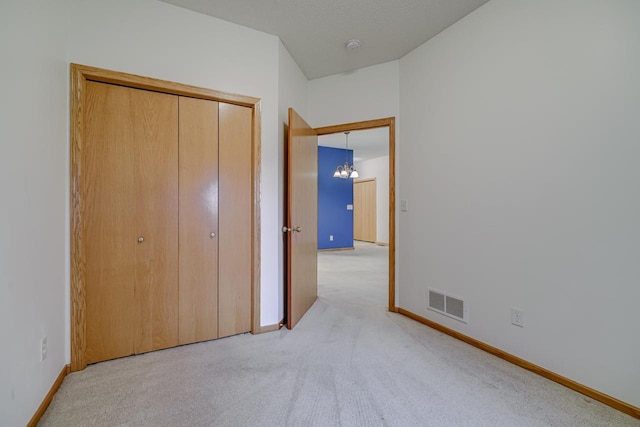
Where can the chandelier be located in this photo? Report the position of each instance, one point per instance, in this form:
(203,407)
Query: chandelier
(345,171)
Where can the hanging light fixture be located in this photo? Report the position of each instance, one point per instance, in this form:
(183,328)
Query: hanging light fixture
(345,171)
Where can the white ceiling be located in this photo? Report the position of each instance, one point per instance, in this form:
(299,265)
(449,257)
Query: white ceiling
(366,144)
(315,31)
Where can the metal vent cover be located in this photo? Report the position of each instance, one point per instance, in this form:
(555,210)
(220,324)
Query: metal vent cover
(436,300)
(446,304)
(454,307)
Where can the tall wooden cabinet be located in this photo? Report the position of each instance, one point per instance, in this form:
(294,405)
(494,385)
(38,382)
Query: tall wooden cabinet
(167,220)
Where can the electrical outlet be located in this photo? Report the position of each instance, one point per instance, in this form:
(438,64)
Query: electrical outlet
(43,349)
(331,237)
(517,317)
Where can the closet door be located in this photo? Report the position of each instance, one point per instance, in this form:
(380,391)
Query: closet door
(129,235)
(364,210)
(109,203)
(198,220)
(155,117)
(235,220)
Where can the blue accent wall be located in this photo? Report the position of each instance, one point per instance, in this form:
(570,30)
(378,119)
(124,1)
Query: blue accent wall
(334,194)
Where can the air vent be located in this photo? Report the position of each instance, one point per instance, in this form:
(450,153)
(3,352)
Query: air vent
(436,301)
(446,304)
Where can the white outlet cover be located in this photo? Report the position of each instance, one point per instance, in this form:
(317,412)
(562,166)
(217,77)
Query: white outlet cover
(43,349)
(517,317)
(349,207)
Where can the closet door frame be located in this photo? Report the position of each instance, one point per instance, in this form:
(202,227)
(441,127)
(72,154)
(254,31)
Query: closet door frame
(80,74)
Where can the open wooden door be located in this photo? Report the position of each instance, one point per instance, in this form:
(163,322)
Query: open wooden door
(302,219)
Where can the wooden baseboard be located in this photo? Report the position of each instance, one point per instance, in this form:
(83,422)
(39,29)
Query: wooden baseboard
(336,249)
(382,244)
(49,397)
(271,328)
(580,388)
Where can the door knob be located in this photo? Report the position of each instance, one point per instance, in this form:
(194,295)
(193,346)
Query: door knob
(286,229)
(297,229)
(140,239)
(212,235)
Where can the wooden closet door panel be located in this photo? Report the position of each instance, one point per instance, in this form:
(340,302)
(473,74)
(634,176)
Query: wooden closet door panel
(364,210)
(198,318)
(155,118)
(235,213)
(108,234)
(369,210)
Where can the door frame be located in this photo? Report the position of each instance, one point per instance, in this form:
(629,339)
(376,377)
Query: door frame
(80,74)
(390,123)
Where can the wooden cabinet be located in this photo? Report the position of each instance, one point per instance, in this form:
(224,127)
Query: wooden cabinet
(167,220)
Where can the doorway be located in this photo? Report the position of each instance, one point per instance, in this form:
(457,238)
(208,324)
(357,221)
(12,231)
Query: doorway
(387,124)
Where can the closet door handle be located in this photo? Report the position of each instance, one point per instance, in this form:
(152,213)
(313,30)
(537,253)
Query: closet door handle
(212,235)
(140,239)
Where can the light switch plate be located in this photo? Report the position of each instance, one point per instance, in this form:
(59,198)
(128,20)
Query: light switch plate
(404,205)
(349,207)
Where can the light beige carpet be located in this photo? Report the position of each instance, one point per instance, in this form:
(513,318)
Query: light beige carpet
(348,363)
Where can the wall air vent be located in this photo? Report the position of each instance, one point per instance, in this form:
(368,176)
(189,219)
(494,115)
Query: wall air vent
(446,304)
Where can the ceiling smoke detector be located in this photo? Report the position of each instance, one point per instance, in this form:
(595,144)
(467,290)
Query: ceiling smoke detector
(353,44)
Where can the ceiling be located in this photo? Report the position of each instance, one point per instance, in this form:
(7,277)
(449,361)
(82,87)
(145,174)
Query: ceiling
(366,144)
(315,32)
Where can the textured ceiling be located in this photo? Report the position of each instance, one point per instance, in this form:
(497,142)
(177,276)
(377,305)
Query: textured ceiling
(315,31)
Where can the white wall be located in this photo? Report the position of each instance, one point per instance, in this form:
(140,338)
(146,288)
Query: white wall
(520,162)
(155,39)
(364,94)
(144,37)
(378,168)
(292,93)
(33,184)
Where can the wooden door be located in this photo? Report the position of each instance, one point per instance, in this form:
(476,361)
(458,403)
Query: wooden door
(235,215)
(302,209)
(155,117)
(198,220)
(130,183)
(364,210)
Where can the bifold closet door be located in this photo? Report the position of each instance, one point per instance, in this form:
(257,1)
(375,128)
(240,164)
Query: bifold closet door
(198,220)
(235,215)
(130,221)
